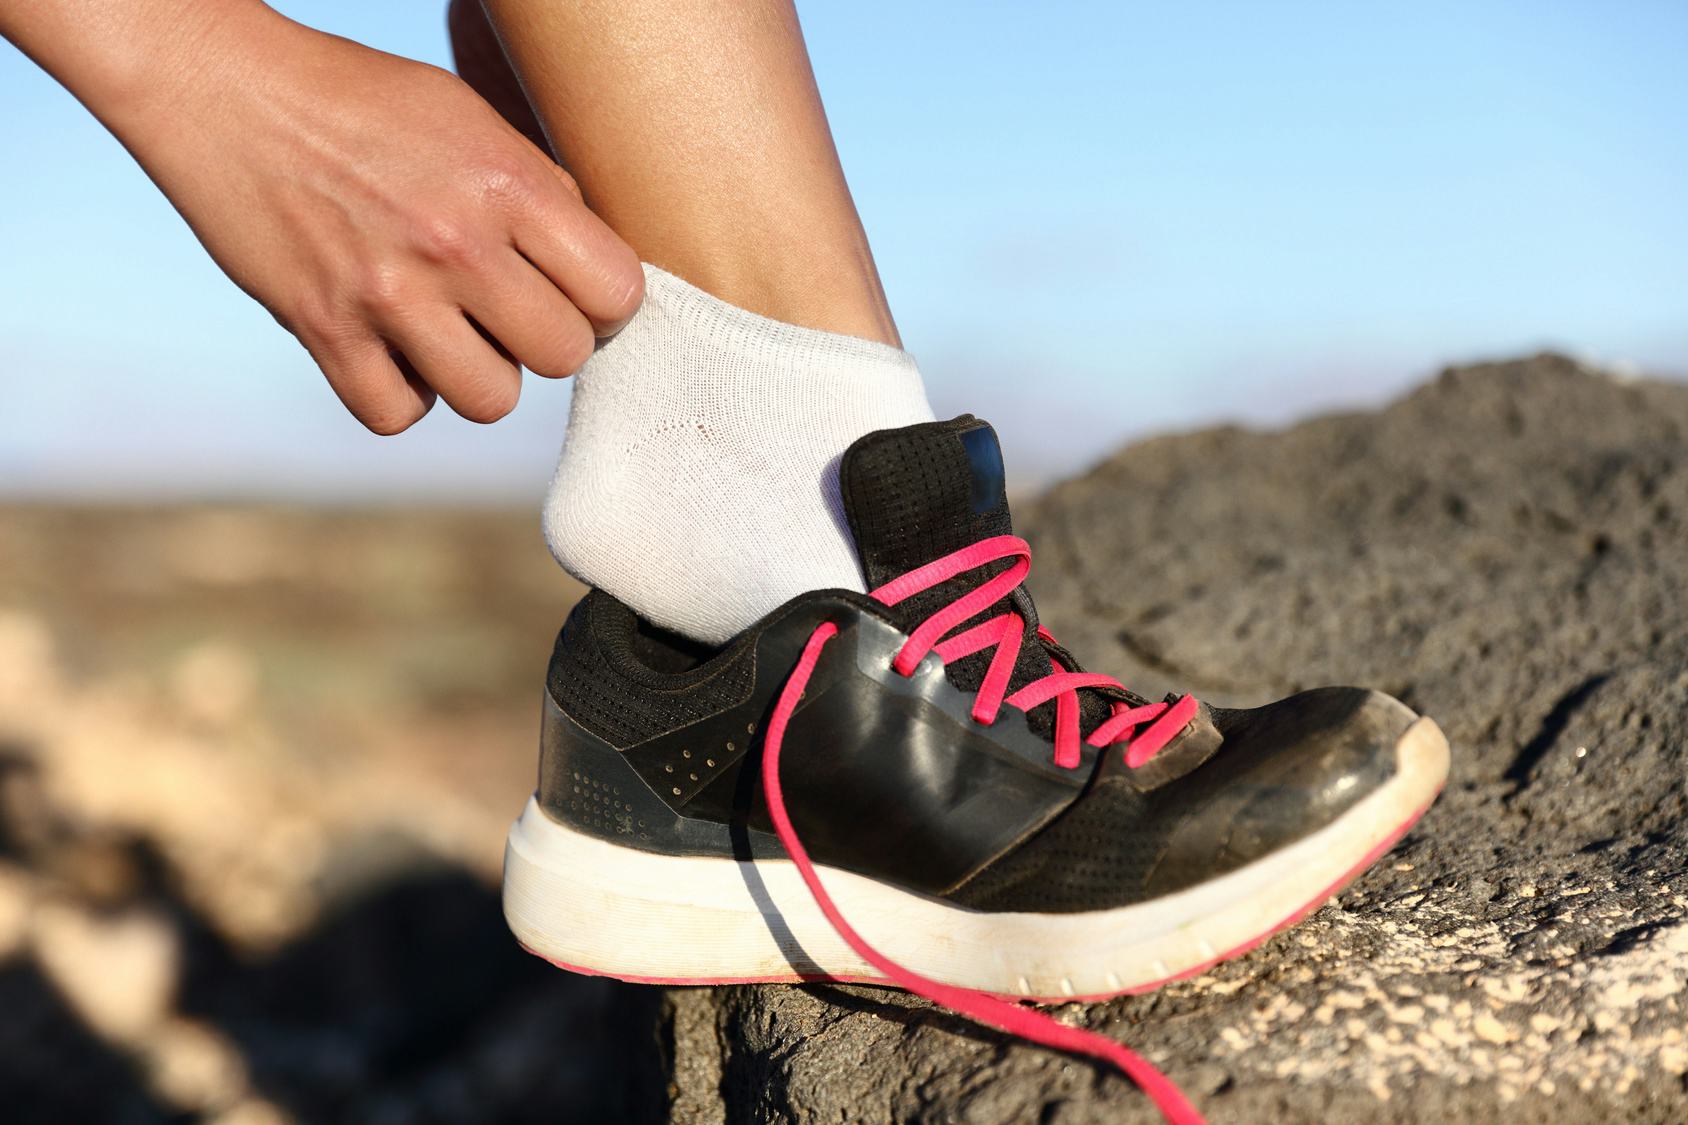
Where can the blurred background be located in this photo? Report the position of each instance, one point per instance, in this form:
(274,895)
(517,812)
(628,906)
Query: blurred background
(1187,211)
(268,684)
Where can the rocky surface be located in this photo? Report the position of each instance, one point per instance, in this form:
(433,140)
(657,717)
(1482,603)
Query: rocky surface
(1506,549)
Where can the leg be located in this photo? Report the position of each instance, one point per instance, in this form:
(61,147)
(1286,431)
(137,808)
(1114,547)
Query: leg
(481,63)
(696,130)
(698,481)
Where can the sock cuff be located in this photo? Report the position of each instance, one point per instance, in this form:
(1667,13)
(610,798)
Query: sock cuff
(698,481)
(702,316)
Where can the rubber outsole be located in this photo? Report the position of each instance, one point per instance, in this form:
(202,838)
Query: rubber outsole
(597,908)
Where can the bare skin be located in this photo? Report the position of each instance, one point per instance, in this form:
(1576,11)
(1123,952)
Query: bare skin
(696,130)
(413,240)
(421,242)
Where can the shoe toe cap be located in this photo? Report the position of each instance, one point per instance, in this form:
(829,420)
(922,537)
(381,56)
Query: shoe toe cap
(1284,771)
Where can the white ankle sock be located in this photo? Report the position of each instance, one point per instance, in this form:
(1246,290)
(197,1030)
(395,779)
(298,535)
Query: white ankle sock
(698,481)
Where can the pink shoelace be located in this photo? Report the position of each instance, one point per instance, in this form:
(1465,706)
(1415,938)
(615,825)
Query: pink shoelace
(1163,722)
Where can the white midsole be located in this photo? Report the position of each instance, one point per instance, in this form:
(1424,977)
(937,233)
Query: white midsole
(590,904)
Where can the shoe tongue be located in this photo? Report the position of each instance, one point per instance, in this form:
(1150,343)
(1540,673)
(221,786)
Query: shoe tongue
(921,492)
(916,494)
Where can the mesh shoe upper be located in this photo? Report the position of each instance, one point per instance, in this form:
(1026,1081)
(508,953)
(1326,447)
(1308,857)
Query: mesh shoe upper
(889,776)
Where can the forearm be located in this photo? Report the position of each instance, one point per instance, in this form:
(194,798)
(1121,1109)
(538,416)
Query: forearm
(129,61)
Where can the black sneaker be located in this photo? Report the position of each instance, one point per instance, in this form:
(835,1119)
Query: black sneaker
(989,817)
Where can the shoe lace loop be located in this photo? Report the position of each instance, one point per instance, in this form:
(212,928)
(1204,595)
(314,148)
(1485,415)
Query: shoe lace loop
(1061,685)
(1161,721)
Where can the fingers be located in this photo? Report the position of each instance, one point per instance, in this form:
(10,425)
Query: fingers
(390,387)
(533,320)
(372,384)
(526,275)
(580,255)
(460,364)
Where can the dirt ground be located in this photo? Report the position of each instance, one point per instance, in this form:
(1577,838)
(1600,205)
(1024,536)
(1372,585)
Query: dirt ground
(256,765)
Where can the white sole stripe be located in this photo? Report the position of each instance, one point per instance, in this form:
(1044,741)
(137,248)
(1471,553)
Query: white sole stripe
(597,906)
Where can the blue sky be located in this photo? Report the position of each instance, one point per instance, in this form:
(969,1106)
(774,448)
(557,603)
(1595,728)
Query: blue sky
(1094,220)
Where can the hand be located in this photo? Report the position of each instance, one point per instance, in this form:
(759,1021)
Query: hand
(411,239)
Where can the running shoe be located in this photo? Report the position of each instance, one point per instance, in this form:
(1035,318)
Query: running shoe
(919,786)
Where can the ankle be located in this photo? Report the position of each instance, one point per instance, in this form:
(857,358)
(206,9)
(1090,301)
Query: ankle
(834,292)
